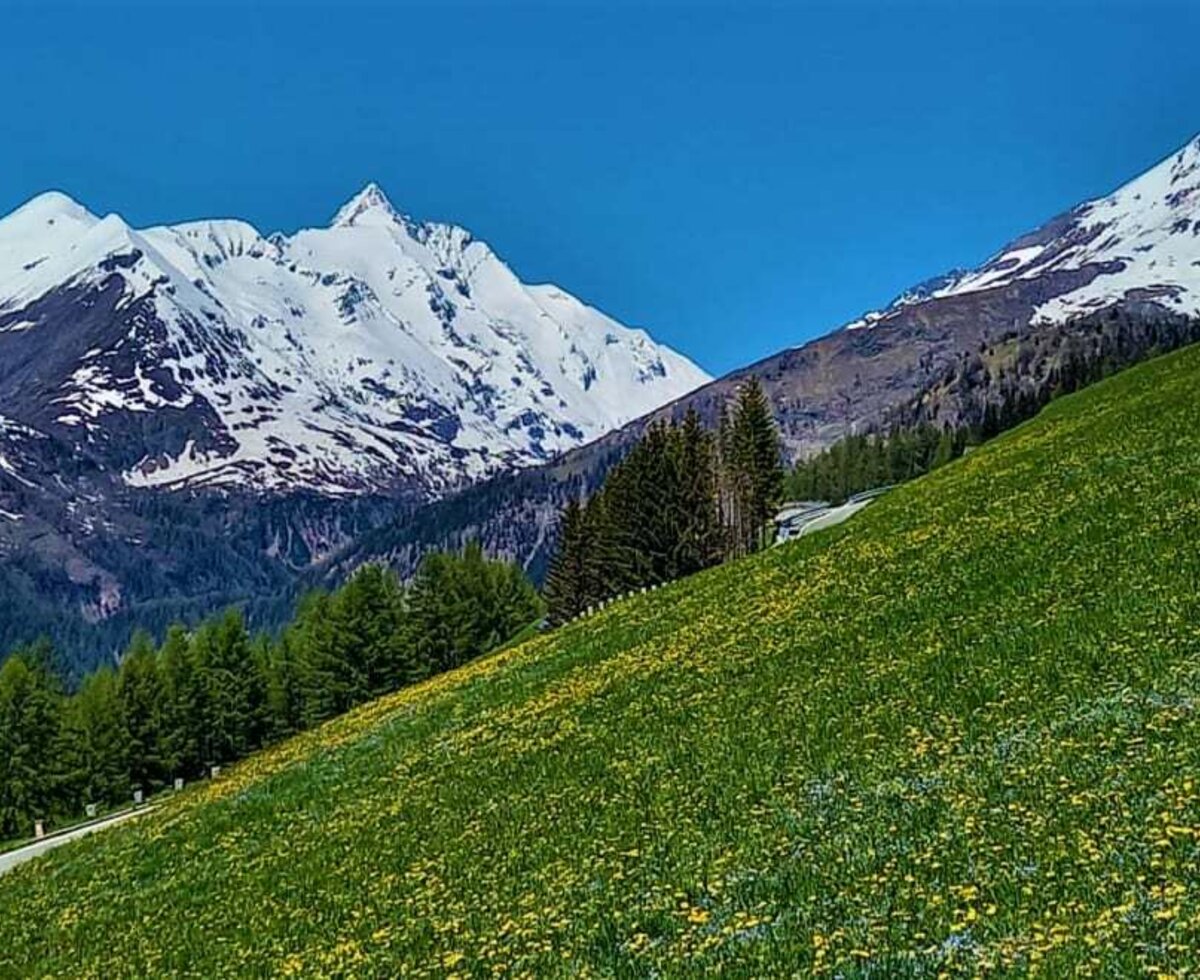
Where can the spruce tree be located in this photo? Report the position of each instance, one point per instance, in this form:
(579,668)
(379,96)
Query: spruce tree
(221,655)
(94,743)
(141,692)
(757,463)
(283,689)
(30,712)
(181,711)
(728,497)
(696,505)
(320,672)
(564,586)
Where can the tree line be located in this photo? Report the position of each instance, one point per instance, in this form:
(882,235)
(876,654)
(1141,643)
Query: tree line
(212,694)
(683,499)
(868,460)
(992,404)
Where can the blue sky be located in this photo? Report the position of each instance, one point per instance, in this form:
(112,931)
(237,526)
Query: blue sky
(736,178)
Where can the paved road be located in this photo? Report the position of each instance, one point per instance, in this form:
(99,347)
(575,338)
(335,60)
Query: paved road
(835,515)
(10,859)
(817,518)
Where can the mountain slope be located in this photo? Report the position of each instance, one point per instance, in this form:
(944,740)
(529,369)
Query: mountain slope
(952,735)
(376,354)
(190,415)
(1116,277)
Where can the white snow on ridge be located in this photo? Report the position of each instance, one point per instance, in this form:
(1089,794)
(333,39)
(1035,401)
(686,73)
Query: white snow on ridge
(339,358)
(1147,233)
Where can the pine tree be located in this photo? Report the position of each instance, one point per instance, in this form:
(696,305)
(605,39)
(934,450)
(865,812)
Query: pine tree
(564,586)
(283,690)
(94,743)
(320,672)
(757,464)
(642,512)
(463,605)
(368,612)
(30,711)
(697,516)
(728,496)
(181,720)
(221,656)
(141,693)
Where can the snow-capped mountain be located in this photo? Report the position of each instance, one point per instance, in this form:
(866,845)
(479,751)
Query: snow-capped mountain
(1142,242)
(374,363)
(1112,280)
(374,355)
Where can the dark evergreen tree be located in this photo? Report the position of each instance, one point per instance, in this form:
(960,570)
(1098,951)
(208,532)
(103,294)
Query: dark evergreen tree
(757,462)
(30,713)
(461,606)
(141,692)
(321,675)
(94,743)
(284,692)
(368,614)
(182,720)
(700,538)
(566,578)
(221,656)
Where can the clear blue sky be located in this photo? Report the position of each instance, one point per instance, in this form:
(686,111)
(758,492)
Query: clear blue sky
(735,178)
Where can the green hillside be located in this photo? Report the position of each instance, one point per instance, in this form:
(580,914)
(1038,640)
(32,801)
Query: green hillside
(957,734)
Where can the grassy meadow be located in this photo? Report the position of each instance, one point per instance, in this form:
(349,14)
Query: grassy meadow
(957,735)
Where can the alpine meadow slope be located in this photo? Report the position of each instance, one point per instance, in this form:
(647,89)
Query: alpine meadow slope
(955,735)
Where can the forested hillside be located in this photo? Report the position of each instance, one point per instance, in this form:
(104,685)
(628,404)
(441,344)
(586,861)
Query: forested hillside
(213,694)
(955,735)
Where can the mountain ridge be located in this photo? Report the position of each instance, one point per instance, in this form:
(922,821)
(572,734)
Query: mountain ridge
(194,413)
(373,354)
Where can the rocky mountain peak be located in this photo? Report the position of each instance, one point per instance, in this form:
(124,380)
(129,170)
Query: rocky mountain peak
(370,205)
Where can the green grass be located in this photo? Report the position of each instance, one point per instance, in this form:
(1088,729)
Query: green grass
(958,734)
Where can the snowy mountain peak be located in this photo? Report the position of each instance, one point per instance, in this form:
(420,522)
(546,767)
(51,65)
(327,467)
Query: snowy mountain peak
(49,207)
(370,205)
(1141,242)
(375,355)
